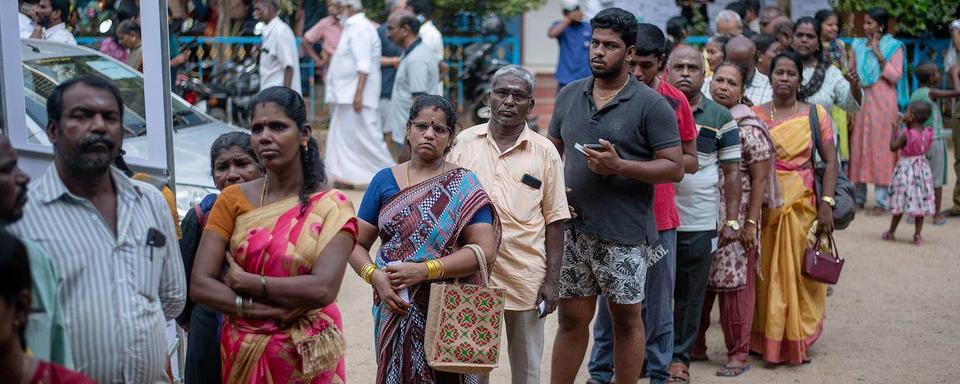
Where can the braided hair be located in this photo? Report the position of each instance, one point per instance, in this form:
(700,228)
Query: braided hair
(293,107)
(820,72)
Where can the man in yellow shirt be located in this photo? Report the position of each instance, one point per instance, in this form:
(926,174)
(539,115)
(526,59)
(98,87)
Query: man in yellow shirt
(523,174)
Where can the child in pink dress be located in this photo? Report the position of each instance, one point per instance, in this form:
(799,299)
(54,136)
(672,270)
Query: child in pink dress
(912,188)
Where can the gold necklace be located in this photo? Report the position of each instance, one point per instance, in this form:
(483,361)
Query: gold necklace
(263,193)
(773,109)
(612,94)
(442,168)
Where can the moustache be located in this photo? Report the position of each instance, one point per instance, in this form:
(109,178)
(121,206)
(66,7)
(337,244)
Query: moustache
(95,139)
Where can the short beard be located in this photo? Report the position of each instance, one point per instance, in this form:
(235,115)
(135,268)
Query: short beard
(77,166)
(610,73)
(84,168)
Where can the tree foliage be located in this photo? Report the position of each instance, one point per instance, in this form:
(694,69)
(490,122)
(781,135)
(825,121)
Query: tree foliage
(914,17)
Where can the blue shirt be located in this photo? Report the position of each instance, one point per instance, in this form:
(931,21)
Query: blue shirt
(387,72)
(384,186)
(574,61)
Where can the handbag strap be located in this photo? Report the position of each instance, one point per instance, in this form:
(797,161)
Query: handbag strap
(815,133)
(481,261)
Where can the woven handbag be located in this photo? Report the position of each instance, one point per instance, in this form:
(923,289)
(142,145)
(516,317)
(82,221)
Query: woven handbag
(464,323)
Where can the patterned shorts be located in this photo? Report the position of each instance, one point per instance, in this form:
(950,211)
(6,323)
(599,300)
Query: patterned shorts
(593,266)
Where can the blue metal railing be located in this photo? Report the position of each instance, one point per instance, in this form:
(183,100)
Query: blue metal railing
(920,50)
(508,50)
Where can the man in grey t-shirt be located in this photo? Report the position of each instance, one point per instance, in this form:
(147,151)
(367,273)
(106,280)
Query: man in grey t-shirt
(417,75)
(630,141)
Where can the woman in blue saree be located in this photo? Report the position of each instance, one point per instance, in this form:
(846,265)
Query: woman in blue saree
(425,211)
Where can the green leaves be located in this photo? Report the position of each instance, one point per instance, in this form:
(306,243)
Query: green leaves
(913,17)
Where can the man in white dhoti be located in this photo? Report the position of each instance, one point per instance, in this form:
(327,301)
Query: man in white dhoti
(355,148)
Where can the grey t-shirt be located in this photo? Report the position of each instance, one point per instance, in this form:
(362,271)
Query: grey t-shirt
(417,73)
(638,122)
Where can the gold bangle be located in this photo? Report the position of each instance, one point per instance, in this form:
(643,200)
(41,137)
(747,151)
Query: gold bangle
(431,270)
(434,269)
(752,221)
(239,303)
(366,272)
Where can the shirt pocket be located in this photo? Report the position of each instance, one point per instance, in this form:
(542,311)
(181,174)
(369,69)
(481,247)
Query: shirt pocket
(143,265)
(522,201)
(707,140)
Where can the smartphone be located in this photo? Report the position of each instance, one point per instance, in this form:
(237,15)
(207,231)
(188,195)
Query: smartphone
(403,293)
(581,147)
(595,147)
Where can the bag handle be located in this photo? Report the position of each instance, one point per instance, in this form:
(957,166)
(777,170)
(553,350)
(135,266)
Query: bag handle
(481,260)
(833,247)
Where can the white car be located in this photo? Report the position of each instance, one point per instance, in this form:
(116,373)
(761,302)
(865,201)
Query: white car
(47,64)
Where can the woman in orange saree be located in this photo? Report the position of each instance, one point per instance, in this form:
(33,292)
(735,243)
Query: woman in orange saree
(288,238)
(790,307)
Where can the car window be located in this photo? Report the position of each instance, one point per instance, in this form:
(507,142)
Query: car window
(41,76)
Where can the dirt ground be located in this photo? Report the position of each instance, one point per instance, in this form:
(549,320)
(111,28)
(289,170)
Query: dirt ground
(894,316)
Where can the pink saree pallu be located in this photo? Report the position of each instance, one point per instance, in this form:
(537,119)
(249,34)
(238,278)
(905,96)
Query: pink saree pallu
(278,241)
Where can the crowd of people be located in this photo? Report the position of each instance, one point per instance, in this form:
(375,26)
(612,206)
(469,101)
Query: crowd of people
(670,178)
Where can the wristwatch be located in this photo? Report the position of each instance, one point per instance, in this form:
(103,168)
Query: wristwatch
(733,224)
(830,201)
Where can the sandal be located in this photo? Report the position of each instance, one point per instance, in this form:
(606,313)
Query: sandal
(939,219)
(917,240)
(679,373)
(876,211)
(728,371)
(888,236)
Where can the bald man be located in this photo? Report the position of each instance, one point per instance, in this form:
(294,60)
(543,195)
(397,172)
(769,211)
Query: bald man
(698,202)
(782,29)
(743,51)
(767,16)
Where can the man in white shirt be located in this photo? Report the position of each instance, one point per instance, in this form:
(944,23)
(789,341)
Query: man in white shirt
(430,34)
(355,147)
(279,57)
(51,16)
(26,18)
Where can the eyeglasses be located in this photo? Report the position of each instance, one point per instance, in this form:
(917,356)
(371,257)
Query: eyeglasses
(503,94)
(423,127)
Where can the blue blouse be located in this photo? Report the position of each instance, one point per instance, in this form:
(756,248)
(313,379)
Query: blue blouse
(384,186)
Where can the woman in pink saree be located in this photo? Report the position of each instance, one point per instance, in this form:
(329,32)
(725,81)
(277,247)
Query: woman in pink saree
(286,238)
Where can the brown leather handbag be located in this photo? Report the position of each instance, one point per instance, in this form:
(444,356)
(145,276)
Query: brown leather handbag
(822,265)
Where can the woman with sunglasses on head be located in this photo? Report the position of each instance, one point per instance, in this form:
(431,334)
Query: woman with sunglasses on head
(434,220)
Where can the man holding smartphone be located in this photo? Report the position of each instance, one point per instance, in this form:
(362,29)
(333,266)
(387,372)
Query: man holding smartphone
(523,174)
(611,241)
(649,59)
